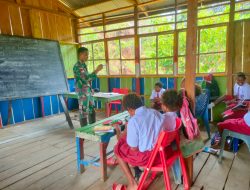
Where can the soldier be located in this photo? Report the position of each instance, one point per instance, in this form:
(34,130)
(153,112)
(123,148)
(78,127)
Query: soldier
(83,87)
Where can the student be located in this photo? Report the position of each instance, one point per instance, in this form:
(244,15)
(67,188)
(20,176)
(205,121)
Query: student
(241,87)
(83,87)
(240,125)
(134,146)
(155,97)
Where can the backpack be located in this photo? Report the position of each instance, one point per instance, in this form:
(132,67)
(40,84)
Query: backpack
(188,120)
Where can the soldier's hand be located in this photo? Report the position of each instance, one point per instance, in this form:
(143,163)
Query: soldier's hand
(99,68)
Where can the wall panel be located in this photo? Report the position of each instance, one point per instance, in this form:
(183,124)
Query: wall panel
(5,25)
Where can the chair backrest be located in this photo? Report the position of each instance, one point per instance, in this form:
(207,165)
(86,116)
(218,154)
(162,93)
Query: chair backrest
(121,90)
(167,137)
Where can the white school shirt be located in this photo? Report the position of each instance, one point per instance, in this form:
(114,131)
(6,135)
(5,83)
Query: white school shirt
(143,128)
(169,122)
(242,92)
(247,118)
(155,94)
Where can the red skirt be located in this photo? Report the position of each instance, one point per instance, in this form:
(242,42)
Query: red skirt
(132,157)
(236,125)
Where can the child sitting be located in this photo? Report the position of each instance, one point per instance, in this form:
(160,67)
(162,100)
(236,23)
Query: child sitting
(241,87)
(136,143)
(239,125)
(155,97)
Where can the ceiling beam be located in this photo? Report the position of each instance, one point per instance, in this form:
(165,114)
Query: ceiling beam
(143,8)
(92,4)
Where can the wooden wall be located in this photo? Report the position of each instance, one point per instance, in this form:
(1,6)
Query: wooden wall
(242,48)
(36,18)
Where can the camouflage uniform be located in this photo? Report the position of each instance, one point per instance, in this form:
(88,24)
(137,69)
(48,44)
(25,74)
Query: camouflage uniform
(83,89)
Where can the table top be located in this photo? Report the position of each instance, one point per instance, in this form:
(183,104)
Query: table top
(88,133)
(99,95)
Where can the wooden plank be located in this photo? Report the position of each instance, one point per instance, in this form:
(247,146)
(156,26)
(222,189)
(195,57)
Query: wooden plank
(26,22)
(239,175)
(45,25)
(191,43)
(52,25)
(5,26)
(16,21)
(230,49)
(246,61)
(38,172)
(36,26)
(214,174)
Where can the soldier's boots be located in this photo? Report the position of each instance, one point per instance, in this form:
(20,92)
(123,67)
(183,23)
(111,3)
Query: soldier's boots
(83,122)
(92,117)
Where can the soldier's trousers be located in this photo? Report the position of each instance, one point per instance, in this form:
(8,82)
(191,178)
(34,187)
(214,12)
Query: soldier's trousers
(86,109)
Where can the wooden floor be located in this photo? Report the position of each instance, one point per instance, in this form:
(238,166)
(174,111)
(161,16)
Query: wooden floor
(41,155)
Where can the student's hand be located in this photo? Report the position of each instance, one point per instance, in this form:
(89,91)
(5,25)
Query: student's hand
(99,68)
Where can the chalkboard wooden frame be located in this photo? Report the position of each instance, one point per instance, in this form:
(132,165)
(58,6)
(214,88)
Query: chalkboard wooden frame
(61,64)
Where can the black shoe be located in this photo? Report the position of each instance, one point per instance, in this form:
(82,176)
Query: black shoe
(92,117)
(83,122)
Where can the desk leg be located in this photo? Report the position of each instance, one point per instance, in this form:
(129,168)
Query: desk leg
(107,109)
(103,160)
(189,165)
(80,154)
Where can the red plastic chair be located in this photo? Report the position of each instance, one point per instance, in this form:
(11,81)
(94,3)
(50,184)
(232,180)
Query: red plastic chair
(117,102)
(168,156)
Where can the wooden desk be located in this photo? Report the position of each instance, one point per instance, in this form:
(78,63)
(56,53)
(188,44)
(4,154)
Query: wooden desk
(103,139)
(105,97)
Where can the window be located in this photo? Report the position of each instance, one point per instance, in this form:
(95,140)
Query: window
(212,50)
(156,54)
(242,10)
(121,57)
(96,57)
(181,52)
(91,34)
(120,29)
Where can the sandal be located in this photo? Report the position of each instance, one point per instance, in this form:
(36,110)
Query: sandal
(118,187)
(112,161)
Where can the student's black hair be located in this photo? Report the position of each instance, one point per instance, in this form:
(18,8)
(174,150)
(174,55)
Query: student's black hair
(159,84)
(241,75)
(82,50)
(131,101)
(172,100)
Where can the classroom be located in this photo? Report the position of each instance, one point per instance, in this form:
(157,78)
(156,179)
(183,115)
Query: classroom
(124,94)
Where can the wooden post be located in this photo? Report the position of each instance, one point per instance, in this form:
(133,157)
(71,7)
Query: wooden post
(191,50)
(137,52)
(190,68)
(103,160)
(230,49)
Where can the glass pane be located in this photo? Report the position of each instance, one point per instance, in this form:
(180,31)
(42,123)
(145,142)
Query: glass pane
(128,67)
(148,47)
(91,37)
(114,49)
(242,15)
(213,39)
(120,25)
(90,66)
(128,48)
(181,65)
(156,29)
(165,45)
(181,17)
(91,30)
(165,66)
(89,47)
(212,63)
(242,6)
(157,20)
(120,33)
(104,70)
(182,43)
(213,10)
(213,20)
(99,51)
(115,67)
(148,67)
(181,25)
